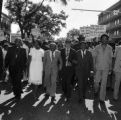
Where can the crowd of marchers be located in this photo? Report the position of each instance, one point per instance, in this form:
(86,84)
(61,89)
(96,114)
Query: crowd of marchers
(71,63)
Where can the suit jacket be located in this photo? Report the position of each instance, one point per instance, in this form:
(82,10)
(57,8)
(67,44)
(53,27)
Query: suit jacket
(84,65)
(52,65)
(16,59)
(1,63)
(71,59)
(1,59)
(76,46)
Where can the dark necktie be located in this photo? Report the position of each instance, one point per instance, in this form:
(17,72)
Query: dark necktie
(52,56)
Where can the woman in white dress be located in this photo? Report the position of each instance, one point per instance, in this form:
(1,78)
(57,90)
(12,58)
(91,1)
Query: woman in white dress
(36,66)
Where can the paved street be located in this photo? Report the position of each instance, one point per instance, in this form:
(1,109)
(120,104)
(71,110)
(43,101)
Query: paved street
(42,109)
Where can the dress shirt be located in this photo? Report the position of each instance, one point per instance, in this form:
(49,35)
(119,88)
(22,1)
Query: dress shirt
(67,52)
(83,53)
(52,55)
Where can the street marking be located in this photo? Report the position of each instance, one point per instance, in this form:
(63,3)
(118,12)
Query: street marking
(41,97)
(110,112)
(48,101)
(50,108)
(89,105)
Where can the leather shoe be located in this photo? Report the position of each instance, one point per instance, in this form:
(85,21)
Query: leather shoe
(53,98)
(47,95)
(102,102)
(81,101)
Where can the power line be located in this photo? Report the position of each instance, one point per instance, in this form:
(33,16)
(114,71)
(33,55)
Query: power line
(114,11)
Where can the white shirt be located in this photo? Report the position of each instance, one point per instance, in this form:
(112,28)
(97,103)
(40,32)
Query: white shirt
(67,52)
(51,54)
(83,53)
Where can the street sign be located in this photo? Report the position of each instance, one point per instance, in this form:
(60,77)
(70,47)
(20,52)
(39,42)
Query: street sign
(93,30)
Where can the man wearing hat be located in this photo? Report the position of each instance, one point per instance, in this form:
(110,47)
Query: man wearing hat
(77,45)
(84,67)
(103,64)
(68,58)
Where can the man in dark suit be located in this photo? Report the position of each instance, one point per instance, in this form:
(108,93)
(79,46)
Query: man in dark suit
(84,67)
(68,58)
(77,47)
(78,44)
(1,64)
(15,61)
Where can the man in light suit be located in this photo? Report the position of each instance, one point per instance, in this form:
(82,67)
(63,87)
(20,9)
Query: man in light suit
(117,71)
(84,68)
(103,66)
(52,65)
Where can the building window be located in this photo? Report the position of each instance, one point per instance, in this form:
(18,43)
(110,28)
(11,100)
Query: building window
(117,32)
(118,21)
(109,15)
(114,32)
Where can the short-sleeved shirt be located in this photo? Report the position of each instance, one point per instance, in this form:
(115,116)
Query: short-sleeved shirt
(103,58)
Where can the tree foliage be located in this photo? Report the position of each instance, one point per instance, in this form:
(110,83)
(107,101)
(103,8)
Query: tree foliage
(27,14)
(73,33)
(61,39)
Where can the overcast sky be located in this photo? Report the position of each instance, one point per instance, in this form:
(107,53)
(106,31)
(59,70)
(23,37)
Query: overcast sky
(77,19)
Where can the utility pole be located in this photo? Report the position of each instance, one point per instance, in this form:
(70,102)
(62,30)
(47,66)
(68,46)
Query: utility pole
(1,3)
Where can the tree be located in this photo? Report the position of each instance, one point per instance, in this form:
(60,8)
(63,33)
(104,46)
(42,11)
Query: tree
(72,34)
(49,22)
(63,1)
(1,2)
(26,14)
(61,39)
(18,10)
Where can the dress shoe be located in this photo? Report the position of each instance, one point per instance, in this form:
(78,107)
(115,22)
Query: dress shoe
(18,97)
(96,95)
(102,102)
(53,99)
(80,101)
(47,95)
(22,91)
(68,99)
(115,99)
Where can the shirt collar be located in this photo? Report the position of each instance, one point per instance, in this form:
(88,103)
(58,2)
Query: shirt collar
(84,51)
